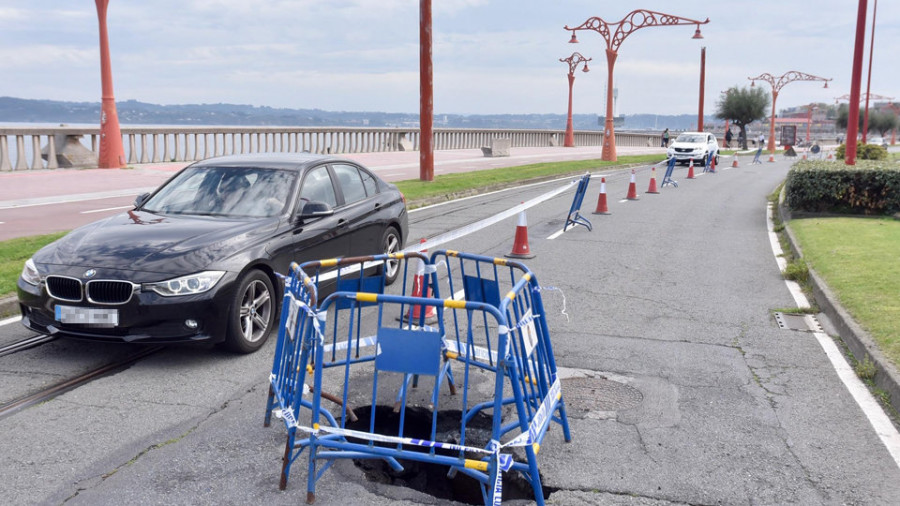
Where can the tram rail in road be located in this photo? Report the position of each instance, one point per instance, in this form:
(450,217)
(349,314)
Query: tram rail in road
(26,344)
(72,383)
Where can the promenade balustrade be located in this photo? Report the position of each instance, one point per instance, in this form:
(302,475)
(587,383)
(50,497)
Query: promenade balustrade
(33,148)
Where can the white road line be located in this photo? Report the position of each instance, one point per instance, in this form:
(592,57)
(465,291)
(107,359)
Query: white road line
(489,193)
(12,319)
(106,209)
(557,234)
(793,286)
(869,406)
(68,199)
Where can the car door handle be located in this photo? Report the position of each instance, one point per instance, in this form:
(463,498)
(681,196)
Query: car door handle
(341,223)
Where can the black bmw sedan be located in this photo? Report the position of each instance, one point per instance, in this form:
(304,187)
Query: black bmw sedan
(196,260)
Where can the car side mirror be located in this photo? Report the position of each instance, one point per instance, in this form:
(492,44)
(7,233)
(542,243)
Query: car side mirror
(140,199)
(315,209)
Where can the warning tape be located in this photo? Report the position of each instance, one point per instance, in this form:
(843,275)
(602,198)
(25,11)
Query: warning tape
(504,461)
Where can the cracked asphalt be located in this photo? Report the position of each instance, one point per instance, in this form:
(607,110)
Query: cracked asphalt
(670,295)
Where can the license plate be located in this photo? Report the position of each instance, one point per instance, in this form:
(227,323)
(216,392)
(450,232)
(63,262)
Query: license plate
(87,316)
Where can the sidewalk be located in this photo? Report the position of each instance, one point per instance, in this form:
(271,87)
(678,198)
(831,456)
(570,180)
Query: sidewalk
(40,187)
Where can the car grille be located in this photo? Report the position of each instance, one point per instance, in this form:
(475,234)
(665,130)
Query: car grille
(63,288)
(109,292)
(684,150)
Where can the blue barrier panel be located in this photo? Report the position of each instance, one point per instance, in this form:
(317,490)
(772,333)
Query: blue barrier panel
(575,217)
(667,178)
(710,165)
(506,338)
(301,296)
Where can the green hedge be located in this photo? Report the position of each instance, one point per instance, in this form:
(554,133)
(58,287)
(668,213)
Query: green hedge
(864,152)
(869,187)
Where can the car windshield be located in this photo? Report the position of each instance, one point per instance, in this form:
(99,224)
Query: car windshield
(690,138)
(233,192)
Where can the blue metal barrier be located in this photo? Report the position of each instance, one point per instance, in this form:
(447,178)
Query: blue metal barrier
(667,178)
(575,217)
(710,165)
(301,296)
(507,336)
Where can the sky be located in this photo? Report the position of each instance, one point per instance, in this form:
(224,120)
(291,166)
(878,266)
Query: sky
(489,56)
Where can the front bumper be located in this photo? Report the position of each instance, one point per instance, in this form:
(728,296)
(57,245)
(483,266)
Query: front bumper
(147,318)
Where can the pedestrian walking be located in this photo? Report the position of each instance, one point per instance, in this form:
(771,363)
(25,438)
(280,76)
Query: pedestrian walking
(728,138)
(760,142)
(665,138)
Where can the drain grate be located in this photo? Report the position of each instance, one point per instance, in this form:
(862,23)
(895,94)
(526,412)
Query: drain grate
(801,322)
(599,394)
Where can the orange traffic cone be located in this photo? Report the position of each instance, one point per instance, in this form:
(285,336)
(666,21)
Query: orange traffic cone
(691,170)
(712,164)
(652,187)
(415,311)
(632,189)
(520,246)
(734,163)
(602,208)
(804,156)
(829,156)
(771,158)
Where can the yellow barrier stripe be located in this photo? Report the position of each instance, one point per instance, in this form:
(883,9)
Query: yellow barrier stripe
(511,295)
(536,447)
(455,304)
(499,261)
(452,253)
(331,262)
(366,297)
(451,354)
(477,465)
(527,276)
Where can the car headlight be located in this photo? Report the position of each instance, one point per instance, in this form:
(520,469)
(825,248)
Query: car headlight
(30,273)
(186,285)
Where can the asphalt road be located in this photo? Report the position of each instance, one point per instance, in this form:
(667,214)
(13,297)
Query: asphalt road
(668,300)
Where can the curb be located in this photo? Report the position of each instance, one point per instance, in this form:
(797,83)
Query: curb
(9,306)
(858,341)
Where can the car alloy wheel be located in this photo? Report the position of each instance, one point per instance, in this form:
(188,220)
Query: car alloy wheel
(391,244)
(252,314)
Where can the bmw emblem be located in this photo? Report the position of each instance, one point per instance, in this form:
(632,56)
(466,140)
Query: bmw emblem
(90,273)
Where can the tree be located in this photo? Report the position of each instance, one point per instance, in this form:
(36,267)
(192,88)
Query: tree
(743,106)
(882,121)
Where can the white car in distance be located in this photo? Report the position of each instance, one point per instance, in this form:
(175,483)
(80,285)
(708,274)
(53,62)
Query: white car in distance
(695,146)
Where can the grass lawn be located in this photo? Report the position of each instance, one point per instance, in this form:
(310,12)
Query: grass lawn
(859,258)
(13,254)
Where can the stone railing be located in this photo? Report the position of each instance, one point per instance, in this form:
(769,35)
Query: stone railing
(60,147)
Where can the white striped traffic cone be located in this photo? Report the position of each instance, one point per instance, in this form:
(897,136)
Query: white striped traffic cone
(520,246)
(415,311)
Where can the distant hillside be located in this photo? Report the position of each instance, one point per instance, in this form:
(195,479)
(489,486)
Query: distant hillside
(132,112)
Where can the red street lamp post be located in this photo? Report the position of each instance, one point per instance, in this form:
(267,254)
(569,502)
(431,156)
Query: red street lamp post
(869,79)
(615,34)
(855,78)
(702,84)
(112,153)
(777,83)
(573,62)
(426,94)
(809,109)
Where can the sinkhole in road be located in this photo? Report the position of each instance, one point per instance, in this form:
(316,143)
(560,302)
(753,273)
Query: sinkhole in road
(433,479)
